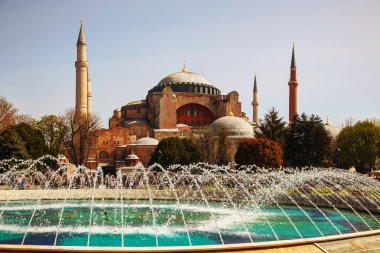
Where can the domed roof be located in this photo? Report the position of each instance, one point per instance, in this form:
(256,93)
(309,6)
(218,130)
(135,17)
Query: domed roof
(147,141)
(185,81)
(184,77)
(333,130)
(235,127)
(132,157)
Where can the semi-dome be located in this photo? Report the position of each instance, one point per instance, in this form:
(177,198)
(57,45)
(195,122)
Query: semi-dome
(147,141)
(235,127)
(185,81)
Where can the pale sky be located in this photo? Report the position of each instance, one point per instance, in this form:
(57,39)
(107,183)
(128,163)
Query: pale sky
(132,45)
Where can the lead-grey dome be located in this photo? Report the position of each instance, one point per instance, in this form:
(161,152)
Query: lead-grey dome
(235,127)
(185,81)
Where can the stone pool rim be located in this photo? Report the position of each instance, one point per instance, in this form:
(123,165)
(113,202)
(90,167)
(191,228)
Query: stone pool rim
(203,248)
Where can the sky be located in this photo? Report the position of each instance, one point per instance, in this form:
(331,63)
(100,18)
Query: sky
(132,45)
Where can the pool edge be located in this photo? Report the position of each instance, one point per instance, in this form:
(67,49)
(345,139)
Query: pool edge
(209,248)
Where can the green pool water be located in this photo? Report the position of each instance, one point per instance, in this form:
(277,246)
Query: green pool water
(130,223)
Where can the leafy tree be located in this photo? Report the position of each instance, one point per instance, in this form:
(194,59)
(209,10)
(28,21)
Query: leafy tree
(11,145)
(78,135)
(7,114)
(192,152)
(261,152)
(52,129)
(33,139)
(272,126)
(174,150)
(306,142)
(359,145)
(25,118)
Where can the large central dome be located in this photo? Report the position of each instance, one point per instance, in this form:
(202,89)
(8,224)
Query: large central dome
(185,81)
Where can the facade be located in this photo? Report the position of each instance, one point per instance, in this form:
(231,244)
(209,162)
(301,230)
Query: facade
(174,107)
(179,103)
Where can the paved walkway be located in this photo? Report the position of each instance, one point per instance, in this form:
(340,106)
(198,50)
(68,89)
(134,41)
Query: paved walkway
(370,244)
(362,244)
(292,249)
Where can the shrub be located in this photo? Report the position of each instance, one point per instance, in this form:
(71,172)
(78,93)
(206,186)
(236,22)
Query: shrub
(261,152)
(174,150)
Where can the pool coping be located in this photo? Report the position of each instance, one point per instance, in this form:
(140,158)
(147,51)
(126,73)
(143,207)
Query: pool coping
(208,248)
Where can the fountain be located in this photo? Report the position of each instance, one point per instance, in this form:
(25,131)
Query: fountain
(43,202)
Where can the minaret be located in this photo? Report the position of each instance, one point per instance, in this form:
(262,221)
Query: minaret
(89,94)
(255,104)
(81,66)
(293,84)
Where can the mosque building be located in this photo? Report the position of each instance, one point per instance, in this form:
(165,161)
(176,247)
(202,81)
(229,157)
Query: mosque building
(178,104)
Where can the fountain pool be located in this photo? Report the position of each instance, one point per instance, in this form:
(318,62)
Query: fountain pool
(196,205)
(137,231)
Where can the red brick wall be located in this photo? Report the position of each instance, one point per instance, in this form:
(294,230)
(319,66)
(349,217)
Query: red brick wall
(144,152)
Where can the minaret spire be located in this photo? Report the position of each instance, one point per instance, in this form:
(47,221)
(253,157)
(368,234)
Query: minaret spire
(255,103)
(293,63)
(81,37)
(82,78)
(293,84)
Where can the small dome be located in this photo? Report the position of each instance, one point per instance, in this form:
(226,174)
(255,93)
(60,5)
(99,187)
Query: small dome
(186,82)
(333,130)
(235,127)
(147,141)
(132,157)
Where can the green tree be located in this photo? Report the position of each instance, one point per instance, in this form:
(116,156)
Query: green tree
(306,142)
(33,139)
(11,145)
(52,130)
(192,152)
(174,150)
(272,126)
(260,152)
(359,145)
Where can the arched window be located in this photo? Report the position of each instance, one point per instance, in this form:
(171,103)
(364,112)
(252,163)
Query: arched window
(195,115)
(104,155)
